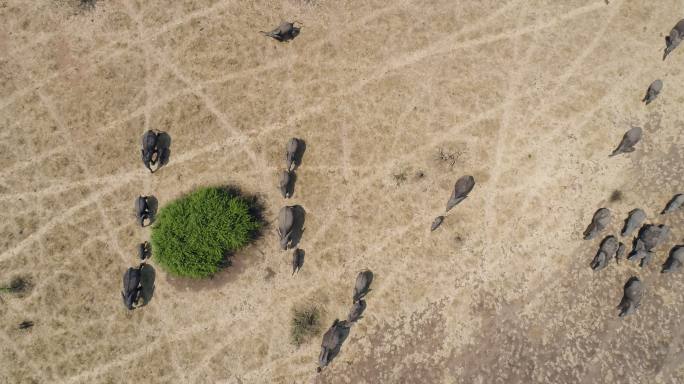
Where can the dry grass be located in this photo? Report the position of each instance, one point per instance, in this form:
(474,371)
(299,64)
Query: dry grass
(306,323)
(534,94)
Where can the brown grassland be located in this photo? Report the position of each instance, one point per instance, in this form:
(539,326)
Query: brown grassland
(396,100)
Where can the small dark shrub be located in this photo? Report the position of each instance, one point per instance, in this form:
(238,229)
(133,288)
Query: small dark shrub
(306,322)
(18,285)
(616,196)
(87,4)
(399,178)
(195,235)
(448,158)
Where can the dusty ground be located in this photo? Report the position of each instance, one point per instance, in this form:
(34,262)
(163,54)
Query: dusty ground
(529,96)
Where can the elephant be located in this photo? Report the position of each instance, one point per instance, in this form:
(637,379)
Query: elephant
(462,188)
(674,204)
(629,140)
(356,311)
(673,40)
(156,149)
(293,153)
(332,342)
(145,207)
(620,251)
(599,222)
(131,287)
(297,260)
(284,32)
(634,220)
(436,223)
(675,261)
(144,250)
(362,285)
(286,183)
(149,149)
(653,91)
(606,252)
(650,236)
(631,298)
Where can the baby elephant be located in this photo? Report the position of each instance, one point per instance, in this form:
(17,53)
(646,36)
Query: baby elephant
(675,260)
(297,260)
(462,188)
(362,286)
(674,204)
(598,223)
(653,91)
(286,183)
(629,140)
(131,287)
(285,226)
(436,223)
(607,251)
(674,38)
(620,251)
(144,251)
(633,291)
(284,32)
(356,311)
(634,220)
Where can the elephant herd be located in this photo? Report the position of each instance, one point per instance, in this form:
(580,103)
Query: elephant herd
(649,236)
(291,217)
(335,336)
(289,230)
(155,153)
(138,282)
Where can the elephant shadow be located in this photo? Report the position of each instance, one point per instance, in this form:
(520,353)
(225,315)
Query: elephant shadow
(297,225)
(147,278)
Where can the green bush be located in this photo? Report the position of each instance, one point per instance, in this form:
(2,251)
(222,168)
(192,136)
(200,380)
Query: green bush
(18,285)
(194,235)
(306,322)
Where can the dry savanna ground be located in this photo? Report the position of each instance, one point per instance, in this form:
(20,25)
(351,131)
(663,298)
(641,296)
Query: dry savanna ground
(528,96)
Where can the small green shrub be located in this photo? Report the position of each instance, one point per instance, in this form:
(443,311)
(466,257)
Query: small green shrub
(194,235)
(18,285)
(306,322)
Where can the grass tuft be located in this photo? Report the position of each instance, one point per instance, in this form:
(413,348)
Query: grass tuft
(306,322)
